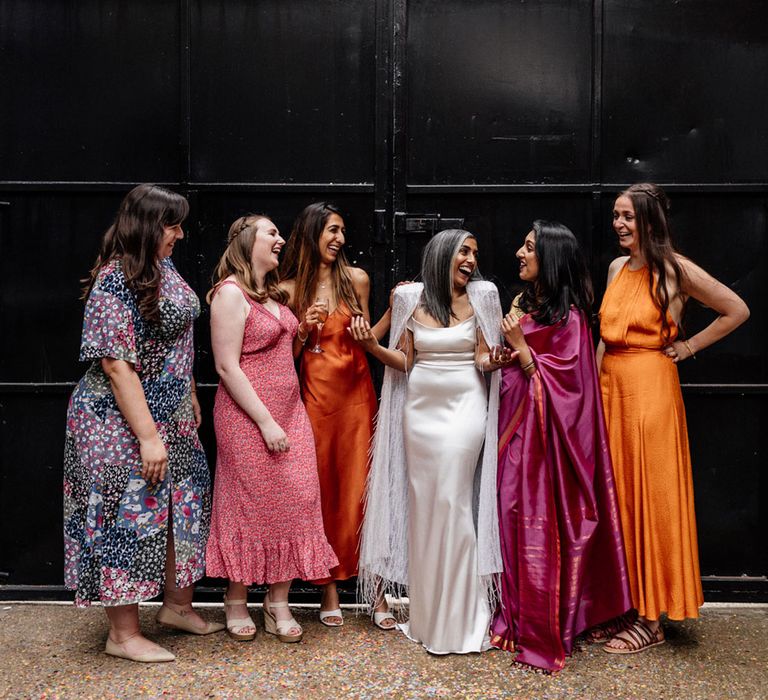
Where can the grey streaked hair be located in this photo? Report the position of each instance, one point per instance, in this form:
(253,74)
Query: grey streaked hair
(437,273)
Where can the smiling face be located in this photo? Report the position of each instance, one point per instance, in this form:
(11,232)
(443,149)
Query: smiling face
(171,234)
(267,244)
(331,239)
(625,223)
(465,262)
(529,261)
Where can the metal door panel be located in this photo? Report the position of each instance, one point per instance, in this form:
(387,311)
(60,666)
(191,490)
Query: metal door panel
(498,91)
(683,91)
(90,90)
(282,91)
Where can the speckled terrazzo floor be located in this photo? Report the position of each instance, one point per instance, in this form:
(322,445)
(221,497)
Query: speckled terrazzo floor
(55,651)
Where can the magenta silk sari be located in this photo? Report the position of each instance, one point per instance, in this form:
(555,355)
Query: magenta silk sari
(561,544)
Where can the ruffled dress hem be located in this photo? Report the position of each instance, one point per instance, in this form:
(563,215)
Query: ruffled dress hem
(251,562)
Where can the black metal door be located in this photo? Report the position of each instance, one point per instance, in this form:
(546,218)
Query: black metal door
(506,112)
(486,111)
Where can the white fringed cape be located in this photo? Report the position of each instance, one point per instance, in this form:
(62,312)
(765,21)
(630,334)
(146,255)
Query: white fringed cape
(384,541)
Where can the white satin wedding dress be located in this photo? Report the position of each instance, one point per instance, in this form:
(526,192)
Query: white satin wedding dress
(444,429)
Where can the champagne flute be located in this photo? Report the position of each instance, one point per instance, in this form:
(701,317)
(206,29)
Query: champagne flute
(322,311)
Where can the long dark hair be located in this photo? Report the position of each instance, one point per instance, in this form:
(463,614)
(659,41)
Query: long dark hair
(563,279)
(301,261)
(437,273)
(651,206)
(134,239)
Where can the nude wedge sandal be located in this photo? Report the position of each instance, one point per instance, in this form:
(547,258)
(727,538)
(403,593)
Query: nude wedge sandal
(235,626)
(280,628)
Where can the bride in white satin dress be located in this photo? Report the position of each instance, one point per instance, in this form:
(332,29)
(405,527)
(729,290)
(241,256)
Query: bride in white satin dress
(444,424)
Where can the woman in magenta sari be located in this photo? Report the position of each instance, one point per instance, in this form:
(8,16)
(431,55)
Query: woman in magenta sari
(564,564)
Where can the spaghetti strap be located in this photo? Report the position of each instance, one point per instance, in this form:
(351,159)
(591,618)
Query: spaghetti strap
(252,302)
(219,285)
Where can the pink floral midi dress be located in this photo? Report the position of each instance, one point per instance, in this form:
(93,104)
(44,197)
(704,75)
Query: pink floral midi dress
(267,524)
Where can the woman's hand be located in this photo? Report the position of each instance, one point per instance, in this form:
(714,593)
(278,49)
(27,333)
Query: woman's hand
(360,330)
(312,316)
(392,291)
(513,333)
(501,356)
(198,414)
(154,459)
(274,436)
(678,351)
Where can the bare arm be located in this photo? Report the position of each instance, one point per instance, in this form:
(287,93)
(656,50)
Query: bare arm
(362,284)
(400,359)
(513,334)
(130,398)
(732,311)
(383,324)
(228,314)
(289,287)
(196,405)
(599,355)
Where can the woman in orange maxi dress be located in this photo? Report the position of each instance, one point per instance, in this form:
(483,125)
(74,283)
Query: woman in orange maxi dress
(325,292)
(638,355)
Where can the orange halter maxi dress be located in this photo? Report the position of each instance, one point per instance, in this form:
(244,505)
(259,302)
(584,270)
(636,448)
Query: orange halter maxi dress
(338,393)
(648,438)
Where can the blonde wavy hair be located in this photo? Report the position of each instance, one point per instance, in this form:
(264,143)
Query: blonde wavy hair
(236,261)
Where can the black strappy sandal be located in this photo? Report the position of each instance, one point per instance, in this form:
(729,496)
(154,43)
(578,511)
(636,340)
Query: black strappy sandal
(639,637)
(600,634)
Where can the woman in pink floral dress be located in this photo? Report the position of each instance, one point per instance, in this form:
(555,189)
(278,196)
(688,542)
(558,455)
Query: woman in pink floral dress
(267,523)
(136,482)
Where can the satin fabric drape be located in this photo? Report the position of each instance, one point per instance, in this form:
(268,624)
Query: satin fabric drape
(564,563)
(338,393)
(444,429)
(645,414)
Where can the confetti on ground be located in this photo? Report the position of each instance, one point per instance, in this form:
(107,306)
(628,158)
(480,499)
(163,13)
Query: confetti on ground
(52,652)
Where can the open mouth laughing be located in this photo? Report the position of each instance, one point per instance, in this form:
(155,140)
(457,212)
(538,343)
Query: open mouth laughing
(466,271)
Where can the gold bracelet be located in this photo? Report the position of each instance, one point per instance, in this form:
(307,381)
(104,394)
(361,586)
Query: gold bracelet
(525,368)
(304,339)
(685,342)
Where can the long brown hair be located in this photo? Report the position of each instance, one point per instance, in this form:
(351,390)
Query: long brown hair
(301,261)
(651,206)
(134,239)
(236,260)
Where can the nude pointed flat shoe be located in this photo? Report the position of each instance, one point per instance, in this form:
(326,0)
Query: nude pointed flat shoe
(168,617)
(154,656)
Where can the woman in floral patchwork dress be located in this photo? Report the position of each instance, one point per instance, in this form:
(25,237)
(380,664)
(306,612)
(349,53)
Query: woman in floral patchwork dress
(136,481)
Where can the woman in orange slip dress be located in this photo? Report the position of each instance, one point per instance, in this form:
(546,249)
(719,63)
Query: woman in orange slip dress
(638,354)
(325,292)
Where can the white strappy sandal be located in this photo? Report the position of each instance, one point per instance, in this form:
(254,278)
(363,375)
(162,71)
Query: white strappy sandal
(379,617)
(325,614)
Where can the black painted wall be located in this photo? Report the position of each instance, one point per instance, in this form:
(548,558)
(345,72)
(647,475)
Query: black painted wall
(492,111)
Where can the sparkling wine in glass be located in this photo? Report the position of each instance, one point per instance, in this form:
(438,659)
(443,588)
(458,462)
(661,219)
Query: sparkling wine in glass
(322,312)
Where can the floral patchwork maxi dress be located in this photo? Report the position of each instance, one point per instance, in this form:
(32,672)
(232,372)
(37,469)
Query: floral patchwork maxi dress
(116,523)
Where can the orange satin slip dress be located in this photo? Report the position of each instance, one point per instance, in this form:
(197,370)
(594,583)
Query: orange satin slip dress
(648,436)
(338,393)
